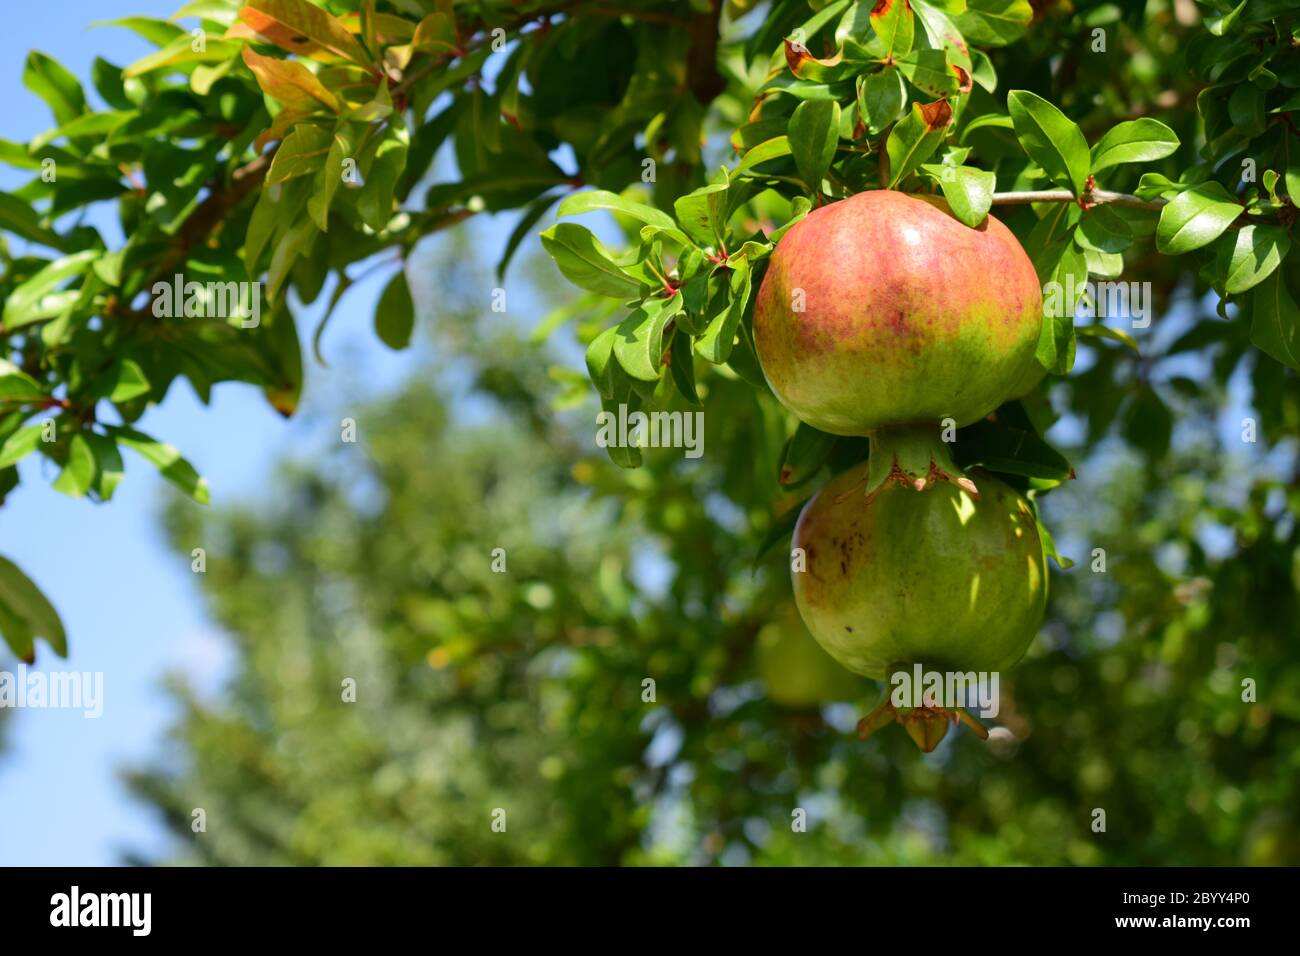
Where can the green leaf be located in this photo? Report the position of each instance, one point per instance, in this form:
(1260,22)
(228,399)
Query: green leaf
(994,22)
(944,35)
(1195,218)
(773,148)
(302,153)
(930,72)
(107,80)
(1049,545)
(600,364)
(596,199)
(880,98)
(639,343)
(702,213)
(1246,110)
(1223,24)
(1137,141)
(626,401)
(158,32)
(435,33)
(1012,451)
(1256,252)
(375,200)
(720,337)
(49,80)
(1292,180)
(22,220)
(395,314)
(109,469)
(915,138)
(25,602)
(1064,275)
(1275,325)
(287,250)
(327,181)
(586,263)
(1050,139)
(814,132)
(378,107)
(18,387)
(682,366)
(98,125)
(166,458)
(891,21)
(983,71)
(969,191)
(180,52)
(799,208)
(803,456)
(1103,230)
(78,473)
(128,382)
(524,228)
(1107,332)
(20,444)
(34,299)
(275,207)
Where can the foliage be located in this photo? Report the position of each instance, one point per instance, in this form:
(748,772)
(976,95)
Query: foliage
(302,144)
(524,690)
(284,141)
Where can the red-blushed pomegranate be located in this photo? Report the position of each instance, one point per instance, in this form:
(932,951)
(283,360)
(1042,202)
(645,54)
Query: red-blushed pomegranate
(942,578)
(884,309)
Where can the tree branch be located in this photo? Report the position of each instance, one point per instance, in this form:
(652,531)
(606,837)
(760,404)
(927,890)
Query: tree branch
(1095,197)
(702,75)
(222,198)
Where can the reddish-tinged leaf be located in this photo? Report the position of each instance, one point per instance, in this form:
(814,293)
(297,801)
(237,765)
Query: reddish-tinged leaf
(302,27)
(289,82)
(937,115)
(284,121)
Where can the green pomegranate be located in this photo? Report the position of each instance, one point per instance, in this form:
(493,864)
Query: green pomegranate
(943,577)
(796,672)
(884,309)
(938,577)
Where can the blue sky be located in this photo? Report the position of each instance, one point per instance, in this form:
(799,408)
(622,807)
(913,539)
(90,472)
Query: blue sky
(130,603)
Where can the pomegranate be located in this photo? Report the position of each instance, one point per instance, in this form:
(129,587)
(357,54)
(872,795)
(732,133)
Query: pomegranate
(796,672)
(950,579)
(884,309)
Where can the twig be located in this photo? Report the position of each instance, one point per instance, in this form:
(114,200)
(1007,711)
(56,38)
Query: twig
(1095,197)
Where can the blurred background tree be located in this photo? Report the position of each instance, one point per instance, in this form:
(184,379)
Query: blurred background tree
(524,691)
